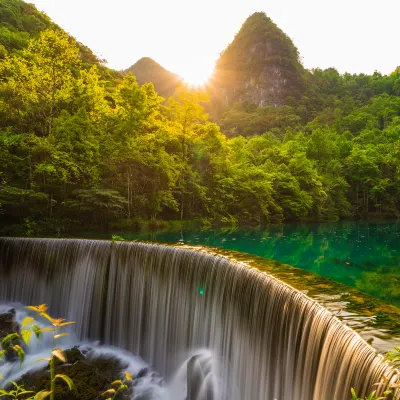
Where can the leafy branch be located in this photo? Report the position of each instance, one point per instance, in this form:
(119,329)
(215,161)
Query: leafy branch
(29,328)
(393,359)
(119,386)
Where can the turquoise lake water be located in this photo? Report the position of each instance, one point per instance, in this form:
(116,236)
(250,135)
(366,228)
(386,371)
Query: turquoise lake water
(359,254)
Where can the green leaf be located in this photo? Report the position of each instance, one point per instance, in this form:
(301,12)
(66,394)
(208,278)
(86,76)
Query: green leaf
(60,335)
(42,395)
(353,394)
(26,336)
(9,338)
(15,384)
(25,392)
(59,354)
(128,376)
(66,379)
(109,391)
(44,359)
(66,323)
(37,330)
(20,352)
(46,330)
(26,321)
(39,309)
(47,316)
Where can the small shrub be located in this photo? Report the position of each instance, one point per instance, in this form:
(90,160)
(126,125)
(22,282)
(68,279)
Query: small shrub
(117,238)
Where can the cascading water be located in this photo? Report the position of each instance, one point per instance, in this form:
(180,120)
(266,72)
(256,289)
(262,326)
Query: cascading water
(261,339)
(147,386)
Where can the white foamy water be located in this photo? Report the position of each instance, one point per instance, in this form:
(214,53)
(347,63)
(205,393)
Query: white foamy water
(149,386)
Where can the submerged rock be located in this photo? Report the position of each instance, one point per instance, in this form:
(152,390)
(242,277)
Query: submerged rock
(143,372)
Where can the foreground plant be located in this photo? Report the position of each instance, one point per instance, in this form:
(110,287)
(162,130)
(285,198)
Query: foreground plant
(11,342)
(55,352)
(372,396)
(393,359)
(28,328)
(117,238)
(16,392)
(120,385)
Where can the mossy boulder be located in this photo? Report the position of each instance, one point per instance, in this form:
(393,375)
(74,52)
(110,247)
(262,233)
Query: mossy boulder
(91,377)
(8,325)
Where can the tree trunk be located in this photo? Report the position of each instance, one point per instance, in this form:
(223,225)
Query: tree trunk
(183,198)
(129,193)
(30,172)
(53,94)
(51,205)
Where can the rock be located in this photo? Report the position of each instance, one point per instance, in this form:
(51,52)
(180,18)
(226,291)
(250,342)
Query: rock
(72,356)
(91,377)
(143,372)
(8,325)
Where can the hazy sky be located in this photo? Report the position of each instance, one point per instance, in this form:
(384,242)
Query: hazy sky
(187,36)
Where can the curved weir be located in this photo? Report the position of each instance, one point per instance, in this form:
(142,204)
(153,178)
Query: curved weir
(263,339)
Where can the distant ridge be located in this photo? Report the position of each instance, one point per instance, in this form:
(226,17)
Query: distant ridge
(147,70)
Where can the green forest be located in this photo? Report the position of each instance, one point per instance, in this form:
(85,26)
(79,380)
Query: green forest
(86,147)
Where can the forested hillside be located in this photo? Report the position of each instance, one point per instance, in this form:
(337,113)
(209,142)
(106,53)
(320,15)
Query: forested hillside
(20,22)
(260,66)
(82,147)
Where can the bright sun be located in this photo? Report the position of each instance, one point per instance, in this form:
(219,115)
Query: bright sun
(197,76)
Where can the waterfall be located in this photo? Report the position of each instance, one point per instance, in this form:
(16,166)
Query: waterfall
(262,338)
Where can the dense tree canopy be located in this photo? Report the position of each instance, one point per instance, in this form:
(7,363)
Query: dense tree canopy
(83,147)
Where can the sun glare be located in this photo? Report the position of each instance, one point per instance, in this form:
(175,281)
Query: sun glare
(196,76)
